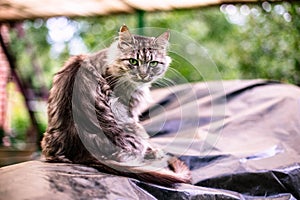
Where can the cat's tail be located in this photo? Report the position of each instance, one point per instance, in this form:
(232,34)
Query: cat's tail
(161,172)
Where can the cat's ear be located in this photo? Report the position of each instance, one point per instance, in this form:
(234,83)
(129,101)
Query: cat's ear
(163,39)
(125,37)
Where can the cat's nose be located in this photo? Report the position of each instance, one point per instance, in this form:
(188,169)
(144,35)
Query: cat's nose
(143,76)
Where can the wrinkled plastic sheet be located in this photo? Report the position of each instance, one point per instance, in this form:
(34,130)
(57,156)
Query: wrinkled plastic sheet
(246,137)
(239,138)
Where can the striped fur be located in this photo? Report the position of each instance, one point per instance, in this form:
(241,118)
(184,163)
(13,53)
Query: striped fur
(93,111)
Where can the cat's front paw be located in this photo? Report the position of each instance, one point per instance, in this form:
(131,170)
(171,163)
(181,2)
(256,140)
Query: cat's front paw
(154,153)
(125,156)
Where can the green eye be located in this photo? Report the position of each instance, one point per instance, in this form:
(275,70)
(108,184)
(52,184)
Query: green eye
(153,63)
(133,61)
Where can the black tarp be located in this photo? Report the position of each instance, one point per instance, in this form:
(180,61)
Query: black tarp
(239,138)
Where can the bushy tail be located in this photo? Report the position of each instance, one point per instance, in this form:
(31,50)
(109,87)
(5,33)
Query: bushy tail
(165,172)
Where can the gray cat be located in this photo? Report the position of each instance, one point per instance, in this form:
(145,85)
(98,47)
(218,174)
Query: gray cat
(94,107)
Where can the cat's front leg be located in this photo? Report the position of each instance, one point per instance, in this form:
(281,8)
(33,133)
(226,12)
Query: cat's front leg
(138,130)
(129,137)
(142,149)
(132,148)
(135,144)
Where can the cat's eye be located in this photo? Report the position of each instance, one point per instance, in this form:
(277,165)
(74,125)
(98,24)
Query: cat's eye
(133,61)
(153,63)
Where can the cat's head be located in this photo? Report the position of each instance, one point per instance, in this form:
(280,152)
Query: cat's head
(142,59)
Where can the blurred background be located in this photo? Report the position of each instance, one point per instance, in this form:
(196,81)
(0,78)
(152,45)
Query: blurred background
(245,40)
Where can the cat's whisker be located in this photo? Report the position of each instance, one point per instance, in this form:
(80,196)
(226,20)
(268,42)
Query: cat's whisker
(160,83)
(163,81)
(173,70)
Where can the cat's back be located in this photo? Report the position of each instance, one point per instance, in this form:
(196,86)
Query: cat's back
(99,60)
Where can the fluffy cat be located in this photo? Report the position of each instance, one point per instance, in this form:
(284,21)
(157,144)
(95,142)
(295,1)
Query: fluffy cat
(94,107)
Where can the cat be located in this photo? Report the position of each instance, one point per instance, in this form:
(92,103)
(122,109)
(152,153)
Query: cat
(94,107)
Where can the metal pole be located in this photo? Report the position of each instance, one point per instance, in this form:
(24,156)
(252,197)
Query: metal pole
(141,21)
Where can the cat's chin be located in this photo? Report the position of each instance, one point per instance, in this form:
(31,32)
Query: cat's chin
(142,81)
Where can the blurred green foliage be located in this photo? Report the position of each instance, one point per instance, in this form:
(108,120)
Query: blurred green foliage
(245,41)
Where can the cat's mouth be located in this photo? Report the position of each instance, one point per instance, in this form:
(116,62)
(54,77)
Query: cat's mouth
(142,79)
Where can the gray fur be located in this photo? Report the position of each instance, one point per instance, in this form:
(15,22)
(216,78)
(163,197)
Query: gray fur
(95,102)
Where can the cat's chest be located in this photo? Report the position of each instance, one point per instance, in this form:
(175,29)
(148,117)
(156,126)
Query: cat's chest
(120,110)
(128,105)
